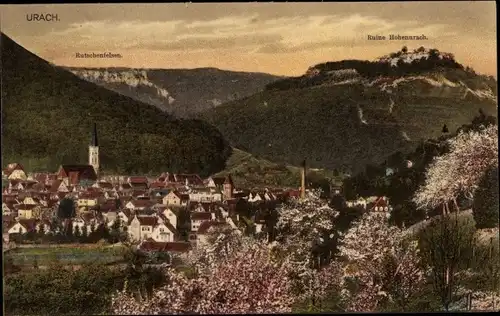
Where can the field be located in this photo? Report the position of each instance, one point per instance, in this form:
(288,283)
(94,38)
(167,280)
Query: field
(64,255)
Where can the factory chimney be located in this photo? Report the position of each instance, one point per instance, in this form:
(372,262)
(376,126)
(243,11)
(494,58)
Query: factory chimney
(303,181)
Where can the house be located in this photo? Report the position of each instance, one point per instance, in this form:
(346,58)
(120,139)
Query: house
(164,231)
(22,226)
(111,194)
(157,185)
(201,207)
(125,215)
(336,190)
(109,217)
(139,205)
(27,211)
(188,179)
(216,182)
(166,178)
(381,204)
(254,197)
(360,202)
(8,208)
(59,186)
(293,194)
(76,174)
(205,195)
(14,171)
(198,218)
(141,227)
(125,188)
(176,199)
(170,216)
(16,185)
(29,200)
(89,199)
(138,183)
(269,196)
(103,185)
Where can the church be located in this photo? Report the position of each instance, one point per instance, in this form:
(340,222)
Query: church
(83,174)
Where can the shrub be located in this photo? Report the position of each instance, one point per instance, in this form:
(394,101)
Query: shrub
(485,206)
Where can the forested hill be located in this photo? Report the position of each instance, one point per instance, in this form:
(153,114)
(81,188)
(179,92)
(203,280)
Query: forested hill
(48,112)
(346,114)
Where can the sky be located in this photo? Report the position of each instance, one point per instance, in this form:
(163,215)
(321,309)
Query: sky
(277,38)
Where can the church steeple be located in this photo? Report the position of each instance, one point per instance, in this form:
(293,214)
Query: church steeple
(94,150)
(94,137)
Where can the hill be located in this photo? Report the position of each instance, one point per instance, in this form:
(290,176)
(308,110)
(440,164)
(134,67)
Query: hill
(249,171)
(181,92)
(48,112)
(345,115)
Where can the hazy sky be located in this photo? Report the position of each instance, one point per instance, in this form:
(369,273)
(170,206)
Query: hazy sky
(277,38)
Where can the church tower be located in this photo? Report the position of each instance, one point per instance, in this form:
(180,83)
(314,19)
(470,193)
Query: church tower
(228,187)
(94,151)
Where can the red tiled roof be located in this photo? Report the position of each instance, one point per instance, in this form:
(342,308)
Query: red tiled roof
(205,226)
(90,195)
(109,205)
(77,172)
(147,220)
(156,185)
(26,206)
(137,180)
(219,181)
(142,203)
(105,185)
(199,216)
(136,193)
(11,167)
(192,179)
(126,186)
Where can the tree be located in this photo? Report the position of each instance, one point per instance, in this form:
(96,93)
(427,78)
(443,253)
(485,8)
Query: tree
(85,234)
(247,281)
(65,212)
(460,170)
(485,205)
(66,209)
(77,233)
(115,231)
(41,231)
(447,247)
(404,49)
(303,222)
(369,246)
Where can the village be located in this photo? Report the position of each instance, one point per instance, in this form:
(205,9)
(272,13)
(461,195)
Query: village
(172,212)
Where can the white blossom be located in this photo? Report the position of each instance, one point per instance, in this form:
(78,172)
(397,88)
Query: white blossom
(460,170)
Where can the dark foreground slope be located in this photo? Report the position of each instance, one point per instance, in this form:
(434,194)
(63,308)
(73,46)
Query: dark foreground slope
(47,114)
(345,115)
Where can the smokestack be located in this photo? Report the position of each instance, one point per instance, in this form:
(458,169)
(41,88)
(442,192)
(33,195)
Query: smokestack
(303,181)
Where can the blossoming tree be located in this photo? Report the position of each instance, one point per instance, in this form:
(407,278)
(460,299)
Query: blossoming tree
(380,262)
(459,171)
(247,280)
